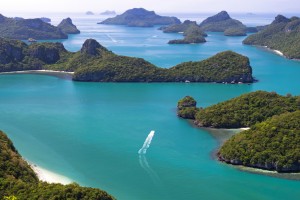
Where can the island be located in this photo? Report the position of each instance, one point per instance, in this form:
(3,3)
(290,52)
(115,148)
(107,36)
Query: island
(23,29)
(246,110)
(108,12)
(45,19)
(191,31)
(270,145)
(89,13)
(140,17)
(281,35)
(96,63)
(19,181)
(273,140)
(67,26)
(222,22)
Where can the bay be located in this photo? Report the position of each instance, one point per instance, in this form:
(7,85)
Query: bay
(91,132)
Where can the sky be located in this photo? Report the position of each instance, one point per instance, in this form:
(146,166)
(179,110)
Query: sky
(162,6)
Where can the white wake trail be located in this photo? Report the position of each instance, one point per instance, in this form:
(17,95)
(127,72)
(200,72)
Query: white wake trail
(111,38)
(147,143)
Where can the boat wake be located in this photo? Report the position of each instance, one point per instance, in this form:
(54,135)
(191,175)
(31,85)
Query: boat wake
(147,143)
(111,38)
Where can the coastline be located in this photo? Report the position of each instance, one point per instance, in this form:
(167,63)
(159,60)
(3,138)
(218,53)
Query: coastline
(49,176)
(59,74)
(272,50)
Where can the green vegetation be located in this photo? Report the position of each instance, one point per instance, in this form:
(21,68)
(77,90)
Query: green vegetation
(140,17)
(246,110)
(95,63)
(28,28)
(186,108)
(273,145)
(221,22)
(193,34)
(282,34)
(67,26)
(235,32)
(18,180)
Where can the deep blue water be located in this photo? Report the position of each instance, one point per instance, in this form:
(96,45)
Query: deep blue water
(91,132)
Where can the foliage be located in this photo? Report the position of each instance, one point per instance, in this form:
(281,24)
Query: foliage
(185,102)
(18,181)
(283,35)
(246,110)
(235,32)
(273,144)
(187,108)
(28,28)
(141,18)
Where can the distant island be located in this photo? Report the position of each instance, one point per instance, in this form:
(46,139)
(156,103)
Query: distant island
(35,29)
(95,63)
(108,12)
(89,13)
(282,35)
(19,181)
(191,31)
(222,22)
(139,17)
(273,140)
(29,28)
(67,26)
(45,19)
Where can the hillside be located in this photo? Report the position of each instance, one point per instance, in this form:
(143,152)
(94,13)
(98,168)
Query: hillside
(67,26)
(95,63)
(246,110)
(273,145)
(222,22)
(139,17)
(23,29)
(282,34)
(18,180)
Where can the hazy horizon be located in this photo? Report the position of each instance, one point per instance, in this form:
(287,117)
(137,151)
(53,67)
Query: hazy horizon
(175,6)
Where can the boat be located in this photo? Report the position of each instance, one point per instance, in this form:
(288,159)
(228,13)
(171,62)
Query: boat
(31,40)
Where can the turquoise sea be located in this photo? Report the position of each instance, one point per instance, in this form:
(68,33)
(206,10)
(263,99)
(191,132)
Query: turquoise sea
(91,132)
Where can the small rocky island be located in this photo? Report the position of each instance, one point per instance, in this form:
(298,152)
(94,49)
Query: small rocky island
(282,34)
(89,13)
(29,28)
(19,181)
(273,140)
(191,31)
(139,17)
(67,26)
(96,63)
(108,12)
(222,22)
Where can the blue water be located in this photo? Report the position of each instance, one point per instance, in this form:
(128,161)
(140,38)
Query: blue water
(91,132)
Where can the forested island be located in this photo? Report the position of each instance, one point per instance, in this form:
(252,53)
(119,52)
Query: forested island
(23,29)
(222,22)
(282,34)
(191,31)
(19,181)
(140,17)
(271,143)
(96,63)
(67,26)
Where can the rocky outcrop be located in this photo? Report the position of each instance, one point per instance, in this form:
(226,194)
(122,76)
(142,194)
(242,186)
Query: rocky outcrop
(29,28)
(48,53)
(92,47)
(139,17)
(67,26)
(193,34)
(186,108)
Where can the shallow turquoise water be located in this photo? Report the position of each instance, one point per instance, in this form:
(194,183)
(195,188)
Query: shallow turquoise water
(91,132)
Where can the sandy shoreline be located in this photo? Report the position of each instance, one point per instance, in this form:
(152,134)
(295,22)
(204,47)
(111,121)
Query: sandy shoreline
(60,74)
(49,176)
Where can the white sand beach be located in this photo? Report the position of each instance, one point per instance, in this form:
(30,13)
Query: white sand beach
(50,177)
(278,52)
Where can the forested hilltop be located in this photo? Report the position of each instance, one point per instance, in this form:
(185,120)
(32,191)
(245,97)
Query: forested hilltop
(18,181)
(282,34)
(246,110)
(95,63)
(273,140)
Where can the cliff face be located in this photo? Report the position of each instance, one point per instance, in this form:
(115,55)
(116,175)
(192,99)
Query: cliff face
(67,26)
(28,28)
(141,18)
(282,34)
